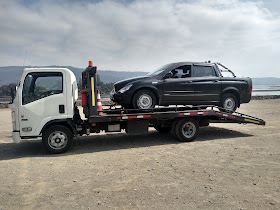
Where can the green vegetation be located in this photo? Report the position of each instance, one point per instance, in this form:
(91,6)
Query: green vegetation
(8,90)
(104,88)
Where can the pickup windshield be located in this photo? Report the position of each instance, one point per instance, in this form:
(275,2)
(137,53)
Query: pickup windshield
(159,70)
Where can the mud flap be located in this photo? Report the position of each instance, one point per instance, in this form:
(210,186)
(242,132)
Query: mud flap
(137,127)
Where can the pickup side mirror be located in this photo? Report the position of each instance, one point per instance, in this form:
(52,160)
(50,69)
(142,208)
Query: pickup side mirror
(168,75)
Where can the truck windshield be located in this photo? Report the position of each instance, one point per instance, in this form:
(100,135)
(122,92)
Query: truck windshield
(159,70)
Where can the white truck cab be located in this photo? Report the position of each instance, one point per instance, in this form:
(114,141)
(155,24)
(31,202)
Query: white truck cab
(43,95)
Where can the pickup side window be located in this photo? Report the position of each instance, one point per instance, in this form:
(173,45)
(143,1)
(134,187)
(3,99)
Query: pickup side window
(181,72)
(203,71)
(41,85)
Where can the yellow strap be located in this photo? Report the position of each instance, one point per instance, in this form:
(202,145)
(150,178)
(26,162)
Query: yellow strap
(92,91)
(253,121)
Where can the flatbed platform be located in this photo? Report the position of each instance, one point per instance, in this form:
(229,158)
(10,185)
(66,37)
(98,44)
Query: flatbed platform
(213,114)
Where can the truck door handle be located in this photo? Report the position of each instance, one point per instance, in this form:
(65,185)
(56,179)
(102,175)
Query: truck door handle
(215,80)
(61,109)
(188,82)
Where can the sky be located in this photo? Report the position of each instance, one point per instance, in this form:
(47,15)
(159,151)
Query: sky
(141,35)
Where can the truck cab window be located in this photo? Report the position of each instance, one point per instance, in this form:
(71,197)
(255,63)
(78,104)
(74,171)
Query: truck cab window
(40,86)
(203,71)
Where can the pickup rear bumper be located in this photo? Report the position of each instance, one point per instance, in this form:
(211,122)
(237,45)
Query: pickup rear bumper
(245,99)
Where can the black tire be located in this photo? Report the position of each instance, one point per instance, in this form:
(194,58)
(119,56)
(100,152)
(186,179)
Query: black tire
(186,130)
(165,129)
(57,139)
(144,99)
(229,102)
(173,128)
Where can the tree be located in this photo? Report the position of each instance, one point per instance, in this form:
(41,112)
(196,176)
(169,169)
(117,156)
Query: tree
(8,90)
(105,88)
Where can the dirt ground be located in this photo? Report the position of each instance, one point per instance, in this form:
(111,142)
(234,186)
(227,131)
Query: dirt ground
(228,167)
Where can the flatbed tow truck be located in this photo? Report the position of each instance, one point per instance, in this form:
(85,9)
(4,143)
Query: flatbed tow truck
(45,106)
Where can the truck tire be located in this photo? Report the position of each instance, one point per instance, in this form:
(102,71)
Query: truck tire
(173,128)
(144,99)
(186,130)
(161,129)
(57,139)
(229,102)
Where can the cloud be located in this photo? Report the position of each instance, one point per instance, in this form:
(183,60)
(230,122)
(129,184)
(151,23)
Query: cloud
(141,34)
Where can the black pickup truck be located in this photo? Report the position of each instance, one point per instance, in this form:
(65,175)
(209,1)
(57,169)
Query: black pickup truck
(184,83)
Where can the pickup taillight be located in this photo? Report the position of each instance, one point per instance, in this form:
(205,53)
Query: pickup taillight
(251,90)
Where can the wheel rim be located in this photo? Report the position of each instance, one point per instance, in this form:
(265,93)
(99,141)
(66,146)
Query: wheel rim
(229,103)
(188,130)
(57,140)
(145,101)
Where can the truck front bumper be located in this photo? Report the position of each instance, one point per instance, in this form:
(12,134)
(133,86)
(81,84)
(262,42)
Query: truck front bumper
(16,137)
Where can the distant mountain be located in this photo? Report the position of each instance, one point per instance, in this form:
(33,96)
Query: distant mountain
(266,81)
(11,74)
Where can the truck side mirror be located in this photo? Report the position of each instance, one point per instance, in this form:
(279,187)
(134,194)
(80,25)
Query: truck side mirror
(13,91)
(168,75)
(12,94)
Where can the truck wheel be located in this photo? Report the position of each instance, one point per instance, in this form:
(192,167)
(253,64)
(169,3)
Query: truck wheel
(229,102)
(186,130)
(144,99)
(165,129)
(57,139)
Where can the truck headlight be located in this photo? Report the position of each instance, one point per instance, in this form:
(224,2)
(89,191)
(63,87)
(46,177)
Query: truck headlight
(125,88)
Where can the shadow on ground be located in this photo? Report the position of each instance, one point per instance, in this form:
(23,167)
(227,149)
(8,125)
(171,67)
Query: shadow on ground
(113,141)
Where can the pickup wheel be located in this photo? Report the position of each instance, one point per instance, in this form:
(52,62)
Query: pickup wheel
(57,139)
(144,99)
(186,130)
(229,102)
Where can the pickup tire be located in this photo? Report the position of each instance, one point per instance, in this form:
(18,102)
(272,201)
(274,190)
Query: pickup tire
(229,102)
(186,130)
(57,139)
(144,99)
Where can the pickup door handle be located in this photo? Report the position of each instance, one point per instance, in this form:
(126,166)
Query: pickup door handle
(215,80)
(188,82)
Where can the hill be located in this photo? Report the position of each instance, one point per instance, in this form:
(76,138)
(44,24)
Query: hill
(11,74)
(271,81)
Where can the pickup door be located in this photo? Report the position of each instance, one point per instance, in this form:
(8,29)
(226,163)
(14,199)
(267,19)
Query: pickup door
(177,90)
(207,85)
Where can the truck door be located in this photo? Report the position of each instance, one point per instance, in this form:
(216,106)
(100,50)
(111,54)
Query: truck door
(43,98)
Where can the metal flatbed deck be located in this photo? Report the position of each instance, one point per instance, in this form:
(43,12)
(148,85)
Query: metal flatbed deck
(214,115)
